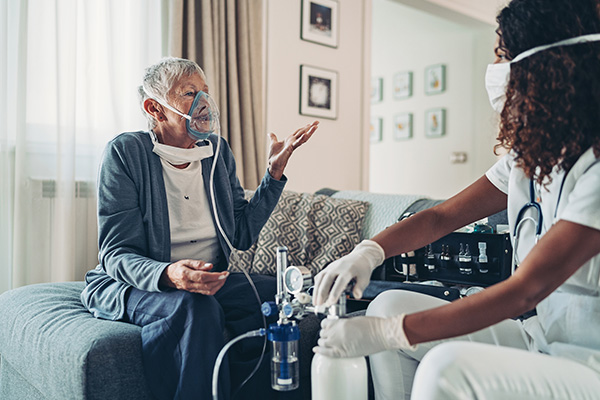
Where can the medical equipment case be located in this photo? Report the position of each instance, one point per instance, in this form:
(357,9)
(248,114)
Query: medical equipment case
(455,259)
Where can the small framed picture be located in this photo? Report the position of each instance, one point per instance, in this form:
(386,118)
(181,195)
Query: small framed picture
(435,122)
(402,85)
(376,133)
(403,126)
(376,90)
(318,92)
(435,79)
(320,22)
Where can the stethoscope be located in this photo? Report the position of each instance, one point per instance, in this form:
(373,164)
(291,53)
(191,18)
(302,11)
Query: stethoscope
(539,222)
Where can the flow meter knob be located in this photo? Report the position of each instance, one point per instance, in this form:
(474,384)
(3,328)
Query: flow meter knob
(288,310)
(269,308)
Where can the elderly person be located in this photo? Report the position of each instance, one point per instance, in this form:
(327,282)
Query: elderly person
(545,84)
(170,208)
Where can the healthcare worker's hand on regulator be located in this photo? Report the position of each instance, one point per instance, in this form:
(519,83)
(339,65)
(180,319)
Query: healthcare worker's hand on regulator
(361,336)
(280,152)
(193,276)
(358,265)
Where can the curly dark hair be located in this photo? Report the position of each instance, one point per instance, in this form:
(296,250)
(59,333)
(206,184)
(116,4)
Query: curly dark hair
(552,111)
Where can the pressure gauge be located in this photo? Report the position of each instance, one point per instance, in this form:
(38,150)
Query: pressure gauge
(297,279)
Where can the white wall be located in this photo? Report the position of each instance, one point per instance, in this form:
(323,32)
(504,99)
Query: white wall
(406,39)
(335,156)
(464,11)
(458,33)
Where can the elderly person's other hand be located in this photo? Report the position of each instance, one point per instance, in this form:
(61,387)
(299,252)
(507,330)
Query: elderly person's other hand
(280,152)
(193,276)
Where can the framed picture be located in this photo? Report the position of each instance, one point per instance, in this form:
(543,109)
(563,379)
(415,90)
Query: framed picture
(435,122)
(435,79)
(320,22)
(376,90)
(402,85)
(318,92)
(376,133)
(403,126)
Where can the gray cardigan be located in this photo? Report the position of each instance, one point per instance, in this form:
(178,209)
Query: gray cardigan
(133,219)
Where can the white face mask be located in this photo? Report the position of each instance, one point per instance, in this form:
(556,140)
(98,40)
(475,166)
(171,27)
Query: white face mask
(178,155)
(497,75)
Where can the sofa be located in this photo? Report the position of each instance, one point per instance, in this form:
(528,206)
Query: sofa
(51,347)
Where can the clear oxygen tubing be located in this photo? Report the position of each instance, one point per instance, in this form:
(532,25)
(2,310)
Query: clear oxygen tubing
(221,356)
(232,251)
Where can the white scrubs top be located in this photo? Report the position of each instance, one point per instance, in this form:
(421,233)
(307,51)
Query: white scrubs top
(568,320)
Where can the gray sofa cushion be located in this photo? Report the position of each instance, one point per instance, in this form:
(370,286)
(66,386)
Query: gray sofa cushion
(60,349)
(384,209)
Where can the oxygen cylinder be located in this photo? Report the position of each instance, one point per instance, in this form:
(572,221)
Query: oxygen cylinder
(339,378)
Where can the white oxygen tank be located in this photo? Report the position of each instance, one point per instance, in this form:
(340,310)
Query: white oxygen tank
(339,378)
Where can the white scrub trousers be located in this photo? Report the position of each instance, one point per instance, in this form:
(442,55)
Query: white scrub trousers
(493,363)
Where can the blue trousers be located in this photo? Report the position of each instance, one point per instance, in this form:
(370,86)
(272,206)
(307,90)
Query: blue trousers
(183,332)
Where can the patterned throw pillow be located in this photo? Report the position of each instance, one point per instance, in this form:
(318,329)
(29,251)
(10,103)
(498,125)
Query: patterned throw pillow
(316,230)
(241,259)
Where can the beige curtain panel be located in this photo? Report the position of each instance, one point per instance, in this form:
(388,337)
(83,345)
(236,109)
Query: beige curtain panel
(225,38)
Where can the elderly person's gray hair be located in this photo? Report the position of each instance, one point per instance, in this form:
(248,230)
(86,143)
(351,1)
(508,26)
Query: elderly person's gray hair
(159,79)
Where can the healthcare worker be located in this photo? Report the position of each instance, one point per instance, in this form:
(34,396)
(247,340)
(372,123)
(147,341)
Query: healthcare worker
(545,83)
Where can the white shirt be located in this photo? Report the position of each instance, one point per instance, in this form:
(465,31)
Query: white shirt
(568,320)
(193,233)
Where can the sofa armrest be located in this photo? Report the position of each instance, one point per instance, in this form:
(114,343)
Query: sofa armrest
(59,348)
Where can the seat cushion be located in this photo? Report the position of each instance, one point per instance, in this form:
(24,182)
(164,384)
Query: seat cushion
(60,349)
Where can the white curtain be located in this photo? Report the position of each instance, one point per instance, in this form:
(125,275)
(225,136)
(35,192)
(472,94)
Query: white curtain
(69,71)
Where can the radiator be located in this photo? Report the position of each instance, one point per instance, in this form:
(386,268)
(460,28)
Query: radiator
(47,188)
(61,232)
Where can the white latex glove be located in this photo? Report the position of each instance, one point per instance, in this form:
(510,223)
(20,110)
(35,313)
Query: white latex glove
(361,336)
(358,265)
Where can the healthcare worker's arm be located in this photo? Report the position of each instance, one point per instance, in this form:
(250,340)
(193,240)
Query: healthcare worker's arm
(557,256)
(477,201)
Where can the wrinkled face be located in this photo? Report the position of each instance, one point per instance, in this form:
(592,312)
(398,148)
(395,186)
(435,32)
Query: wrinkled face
(171,128)
(184,90)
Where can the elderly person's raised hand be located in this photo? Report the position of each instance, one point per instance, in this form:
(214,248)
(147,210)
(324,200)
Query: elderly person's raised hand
(193,276)
(280,152)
